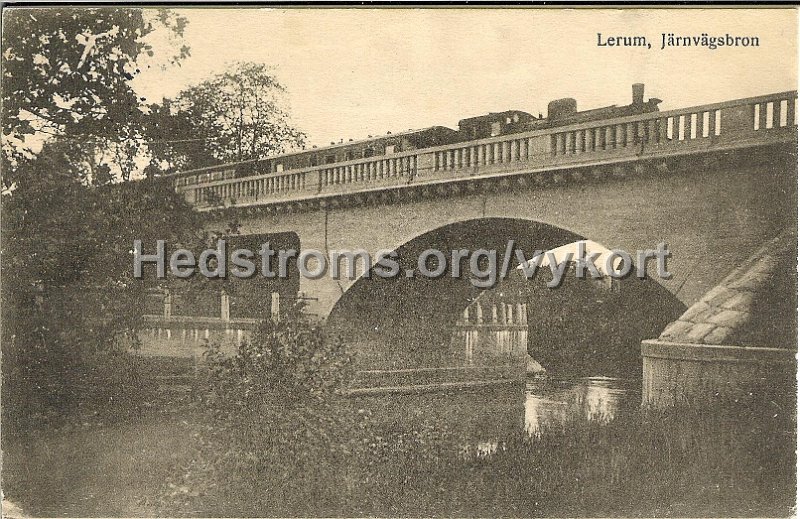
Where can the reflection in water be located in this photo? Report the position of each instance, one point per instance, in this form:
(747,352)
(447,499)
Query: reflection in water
(549,401)
(484,419)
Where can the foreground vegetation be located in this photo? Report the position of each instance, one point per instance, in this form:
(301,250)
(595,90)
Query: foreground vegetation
(643,464)
(267,433)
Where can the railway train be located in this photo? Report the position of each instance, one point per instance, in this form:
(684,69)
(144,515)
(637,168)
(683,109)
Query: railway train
(560,112)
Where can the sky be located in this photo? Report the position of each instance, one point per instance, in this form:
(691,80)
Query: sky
(357,72)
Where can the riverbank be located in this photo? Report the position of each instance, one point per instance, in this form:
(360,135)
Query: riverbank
(739,462)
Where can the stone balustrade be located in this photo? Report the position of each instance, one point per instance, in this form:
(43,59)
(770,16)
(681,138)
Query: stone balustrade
(492,329)
(755,121)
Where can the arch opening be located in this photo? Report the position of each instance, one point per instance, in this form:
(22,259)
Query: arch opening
(411,322)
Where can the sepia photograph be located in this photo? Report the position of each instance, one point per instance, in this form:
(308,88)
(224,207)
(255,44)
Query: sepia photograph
(364,260)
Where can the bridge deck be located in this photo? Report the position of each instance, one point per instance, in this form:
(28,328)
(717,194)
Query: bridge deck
(736,124)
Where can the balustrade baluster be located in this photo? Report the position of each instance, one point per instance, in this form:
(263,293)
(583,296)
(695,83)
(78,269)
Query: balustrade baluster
(663,130)
(651,131)
(687,127)
(776,114)
(619,130)
(762,116)
(630,134)
(610,137)
(530,149)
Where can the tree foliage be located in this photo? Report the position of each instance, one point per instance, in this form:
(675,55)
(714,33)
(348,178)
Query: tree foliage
(70,302)
(69,296)
(236,115)
(287,361)
(67,72)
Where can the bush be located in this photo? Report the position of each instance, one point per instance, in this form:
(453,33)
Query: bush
(288,362)
(273,411)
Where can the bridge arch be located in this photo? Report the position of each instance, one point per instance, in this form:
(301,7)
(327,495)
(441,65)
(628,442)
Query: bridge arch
(404,321)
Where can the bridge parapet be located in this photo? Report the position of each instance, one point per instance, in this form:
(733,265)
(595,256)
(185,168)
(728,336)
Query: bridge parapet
(742,123)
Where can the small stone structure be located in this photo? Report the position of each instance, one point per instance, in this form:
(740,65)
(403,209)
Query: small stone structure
(738,340)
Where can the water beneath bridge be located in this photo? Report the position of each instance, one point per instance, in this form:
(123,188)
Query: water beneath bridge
(485,418)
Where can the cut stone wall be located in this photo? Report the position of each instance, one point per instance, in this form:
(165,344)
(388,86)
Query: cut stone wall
(754,306)
(738,341)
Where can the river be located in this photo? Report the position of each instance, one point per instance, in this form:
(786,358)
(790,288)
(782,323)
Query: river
(548,401)
(487,416)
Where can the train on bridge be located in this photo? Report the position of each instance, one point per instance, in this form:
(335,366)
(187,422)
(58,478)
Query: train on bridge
(560,112)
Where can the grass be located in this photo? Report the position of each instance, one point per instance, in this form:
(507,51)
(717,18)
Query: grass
(95,469)
(736,462)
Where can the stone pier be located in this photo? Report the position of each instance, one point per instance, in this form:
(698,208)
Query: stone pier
(738,341)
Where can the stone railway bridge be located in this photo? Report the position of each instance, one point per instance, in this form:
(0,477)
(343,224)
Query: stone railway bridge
(714,182)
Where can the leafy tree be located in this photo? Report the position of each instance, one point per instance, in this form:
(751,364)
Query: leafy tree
(237,115)
(177,142)
(71,306)
(67,73)
(70,301)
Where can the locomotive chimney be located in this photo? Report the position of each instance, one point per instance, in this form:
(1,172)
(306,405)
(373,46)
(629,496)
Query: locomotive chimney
(638,93)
